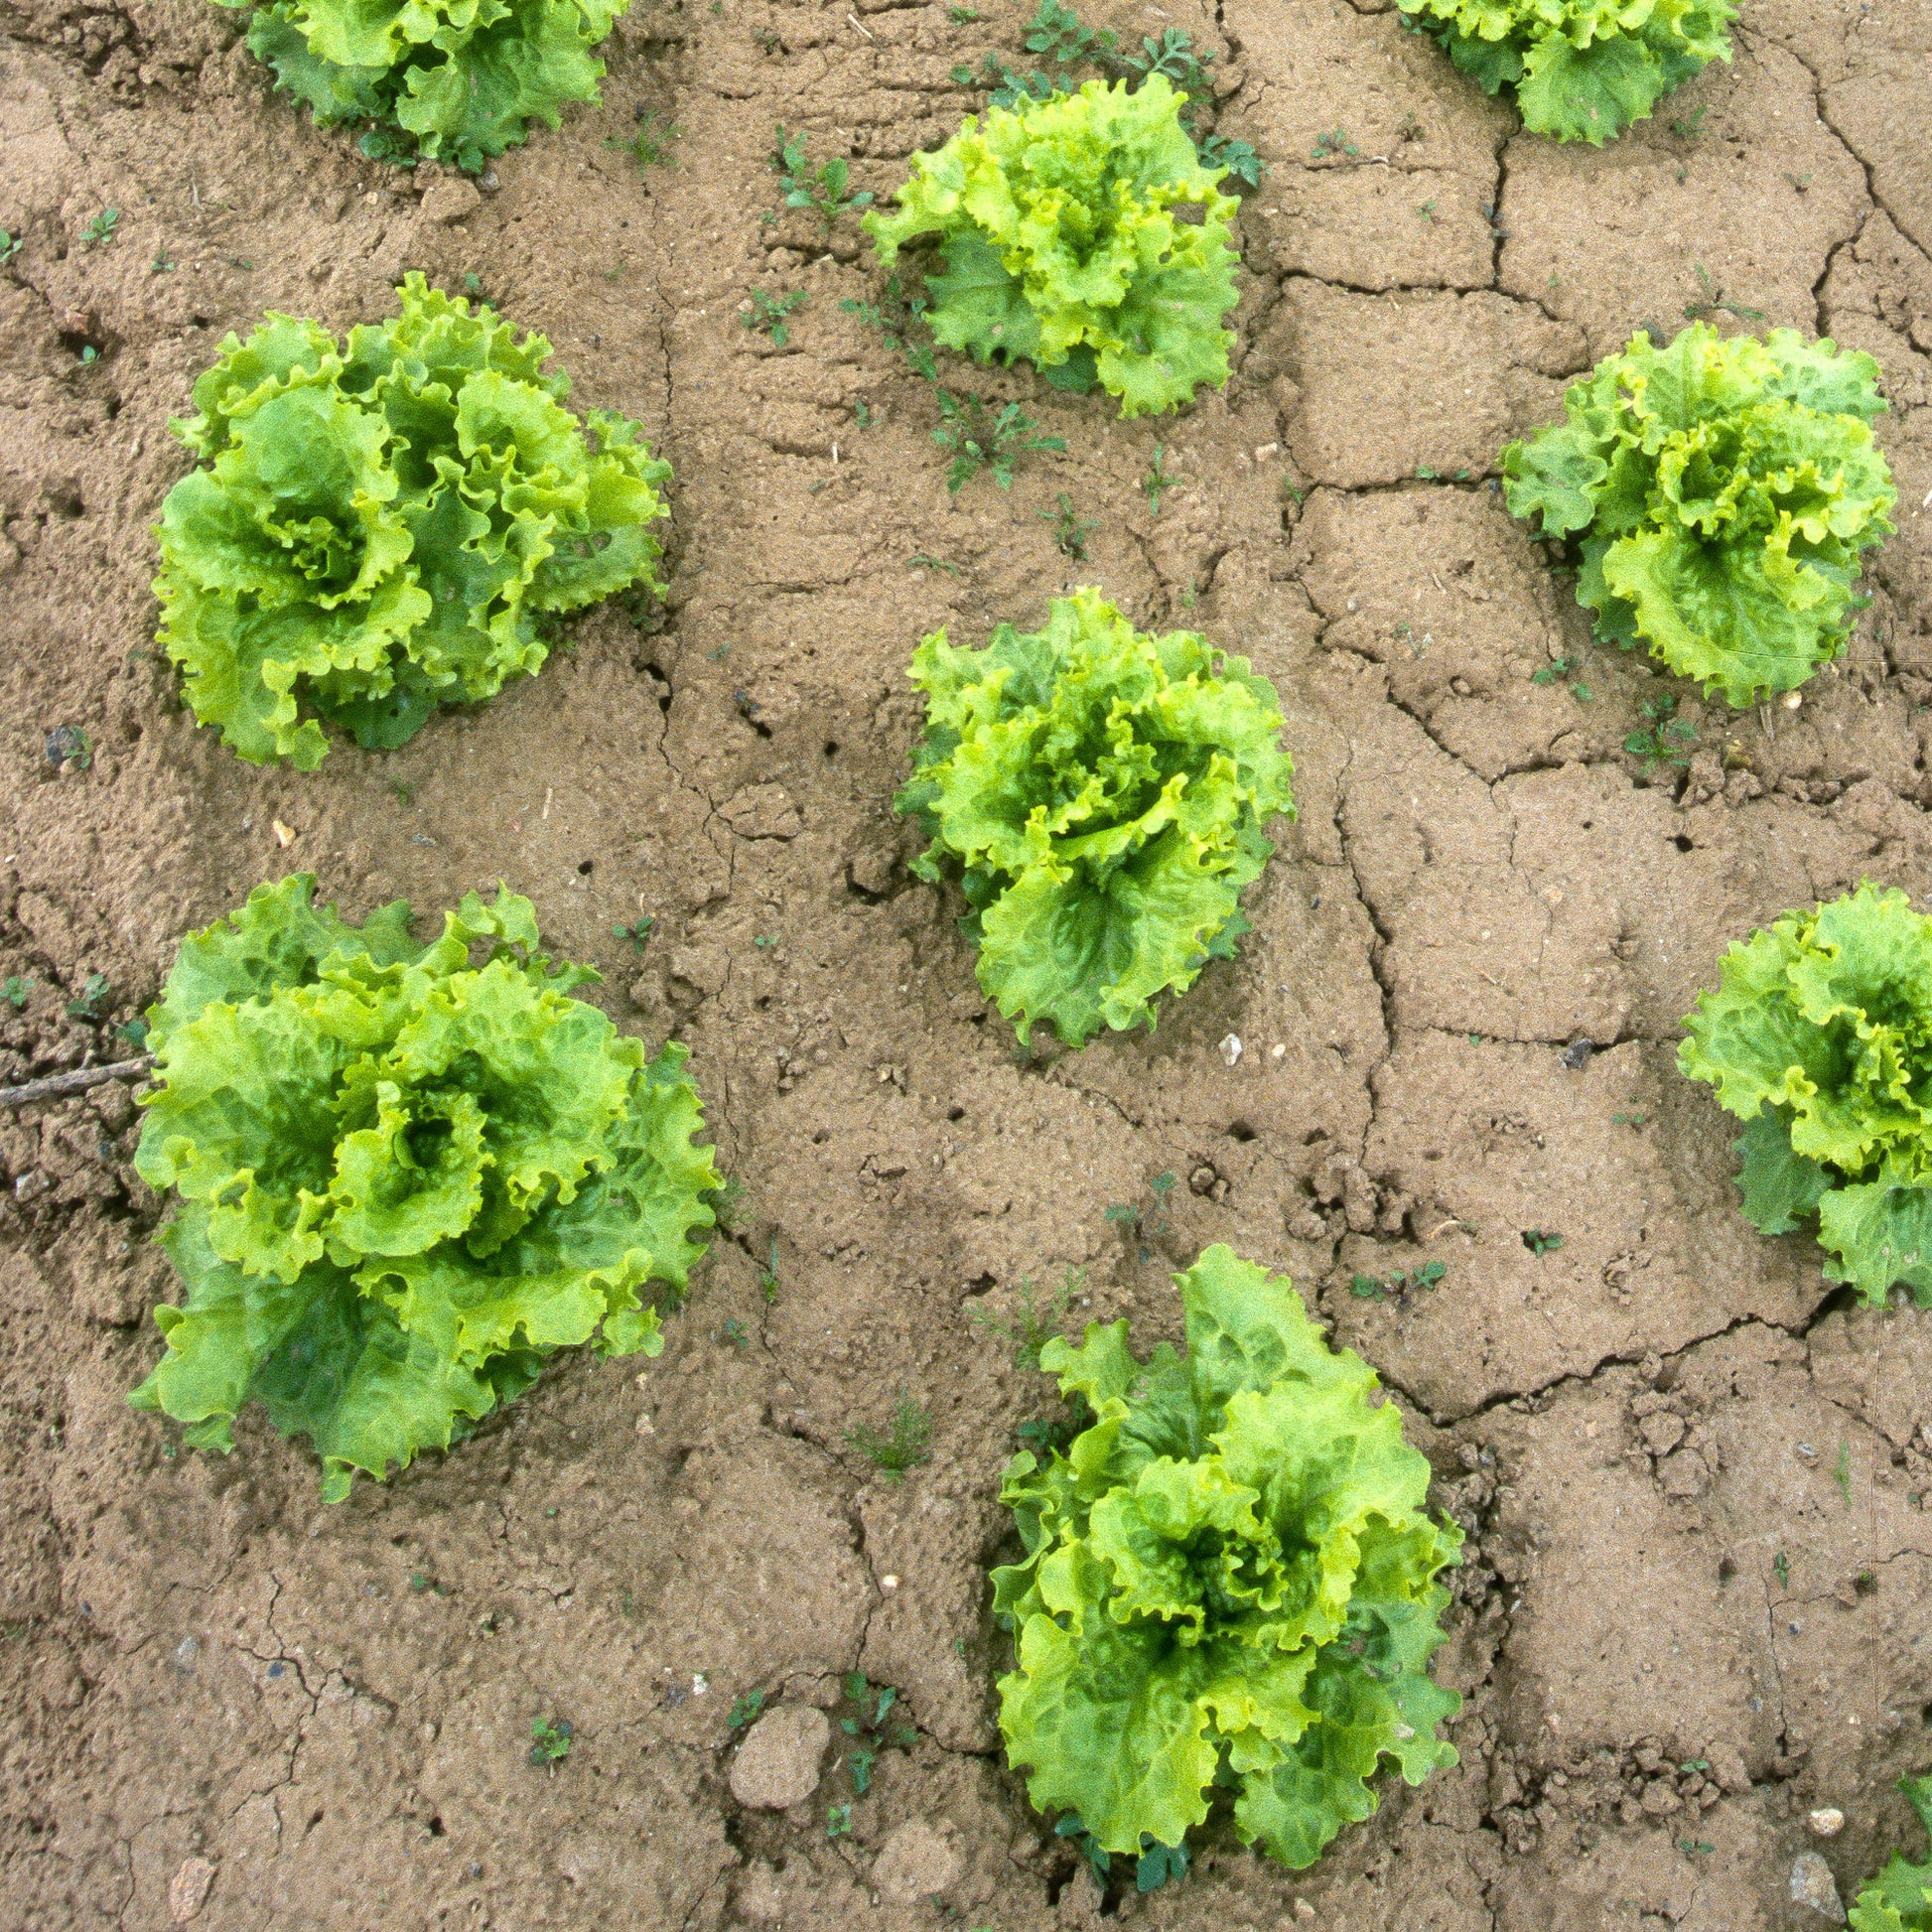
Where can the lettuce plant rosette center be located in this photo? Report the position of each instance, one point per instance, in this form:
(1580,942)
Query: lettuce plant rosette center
(1080,234)
(1720,491)
(1583,70)
(387,525)
(1899,1900)
(403,1180)
(1101,797)
(1819,1037)
(446,80)
(1229,1582)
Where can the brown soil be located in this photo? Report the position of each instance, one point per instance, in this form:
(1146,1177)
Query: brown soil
(1651,1431)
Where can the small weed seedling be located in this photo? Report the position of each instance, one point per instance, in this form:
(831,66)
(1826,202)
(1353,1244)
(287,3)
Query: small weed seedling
(980,440)
(1156,481)
(1070,532)
(1689,130)
(551,1741)
(1426,210)
(1695,1846)
(923,562)
(769,311)
(637,931)
(1782,1564)
(101,229)
(1130,1220)
(723,1199)
(1335,142)
(70,745)
(1541,1241)
(1099,1862)
(161,265)
(1035,1326)
(1559,671)
(1055,31)
(1237,157)
(961,16)
(745,1711)
(1667,738)
(94,999)
(895,315)
(823,191)
(867,1729)
(768,1276)
(135,1034)
(650,146)
(1715,299)
(10,246)
(734,1334)
(1374,1287)
(838,1820)
(14,991)
(902,1446)
(1173,56)
(1842,1476)
(1158,1865)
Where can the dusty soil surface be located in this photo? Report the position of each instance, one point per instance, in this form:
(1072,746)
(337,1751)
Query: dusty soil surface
(1698,1598)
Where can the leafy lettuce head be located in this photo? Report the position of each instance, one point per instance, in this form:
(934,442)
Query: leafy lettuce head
(1064,244)
(403,1181)
(1101,797)
(384,525)
(1820,1039)
(1229,1580)
(449,80)
(1583,70)
(1899,1900)
(1719,490)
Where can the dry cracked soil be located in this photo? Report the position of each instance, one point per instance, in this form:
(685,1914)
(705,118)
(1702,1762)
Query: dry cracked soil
(1694,1482)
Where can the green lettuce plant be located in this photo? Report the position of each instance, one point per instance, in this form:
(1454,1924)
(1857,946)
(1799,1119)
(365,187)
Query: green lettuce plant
(389,524)
(1720,491)
(447,80)
(1899,1900)
(1583,70)
(1229,1582)
(403,1181)
(1819,1037)
(1100,795)
(1066,244)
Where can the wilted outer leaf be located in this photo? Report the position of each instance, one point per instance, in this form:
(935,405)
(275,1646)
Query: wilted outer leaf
(380,526)
(1230,1574)
(1719,490)
(1101,797)
(403,1181)
(1820,1037)
(1057,224)
(1583,70)
(463,78)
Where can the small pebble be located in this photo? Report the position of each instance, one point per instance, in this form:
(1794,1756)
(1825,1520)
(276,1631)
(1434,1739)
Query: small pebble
(1813,1886)
(889,1583)
(1231,1048)
(1827,1822)
(1576,1054)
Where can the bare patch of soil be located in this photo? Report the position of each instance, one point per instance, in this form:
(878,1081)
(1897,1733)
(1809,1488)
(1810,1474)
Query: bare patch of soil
(1700,1567)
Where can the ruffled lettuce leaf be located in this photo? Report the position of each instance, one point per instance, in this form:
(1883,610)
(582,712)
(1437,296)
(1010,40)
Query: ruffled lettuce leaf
(1100,795)
(1720,491)
(404,1177)
(446,81)
(1228,1579)
(1064,244)
(1583,70)
(382,526)
(1899,1900)
(1819,1037)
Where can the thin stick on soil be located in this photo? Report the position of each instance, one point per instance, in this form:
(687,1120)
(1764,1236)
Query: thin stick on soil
(79,1081)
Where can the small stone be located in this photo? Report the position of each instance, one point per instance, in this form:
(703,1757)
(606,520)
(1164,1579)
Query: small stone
(1231,1050)
(30,1185)
(1812,1883)
(185,1653)
(1304,1911)
(1827,1822)
(188,1888)
(889,1583)
(918,1861)
(1576,1054)
(776,1767)
(450,201)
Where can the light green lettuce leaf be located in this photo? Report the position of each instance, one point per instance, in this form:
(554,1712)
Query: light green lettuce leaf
(1583,70)
(1720,492)
(1100,795)
(403,1180)
(1899,1900)
(385,526)
(1819,1037)
(1059,225)
(1228,1579)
